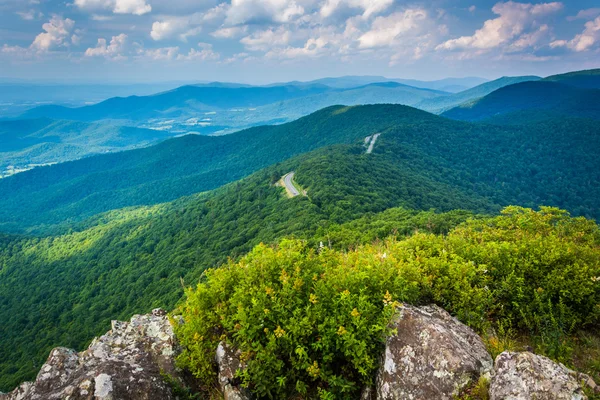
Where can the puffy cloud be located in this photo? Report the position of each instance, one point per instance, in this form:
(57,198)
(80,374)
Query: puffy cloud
(185,27)
(267,39)
(231,32)
(531,39)
(137,7)
(57,34)
(369,7)
(114,50)
(514,18)
(386,30)
(313,47)
(588,14)
(583,41)
(254,11)
(161,54)
(205,53)
(29,15)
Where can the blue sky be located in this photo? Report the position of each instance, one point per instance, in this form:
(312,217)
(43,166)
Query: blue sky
(260,41)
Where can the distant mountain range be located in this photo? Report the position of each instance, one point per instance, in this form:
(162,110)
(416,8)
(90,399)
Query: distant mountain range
(43,141)
(108,235)
(570,95)
(219,108)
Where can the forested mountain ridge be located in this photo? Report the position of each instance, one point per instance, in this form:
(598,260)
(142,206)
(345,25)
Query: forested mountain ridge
(43,140)
(550,96)
(126,261)
(587,79)
(441,104)
(183,166)
(561,154)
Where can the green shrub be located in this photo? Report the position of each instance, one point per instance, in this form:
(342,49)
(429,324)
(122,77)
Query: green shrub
(312,323)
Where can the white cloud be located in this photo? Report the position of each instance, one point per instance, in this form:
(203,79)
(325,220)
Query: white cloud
(313,47)
(114,50)
(528,40)
(386,30)
(267,39)
(472,9)
(369,7)
(161,54)
(58,33)
(205,53)
(29,15)
(588,14)
(231,32)
(185,27)
(137,7)
(250,11)
(514,19)
(583,41)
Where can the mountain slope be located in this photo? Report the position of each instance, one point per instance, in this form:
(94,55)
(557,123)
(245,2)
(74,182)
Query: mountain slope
(552,97)
(224,108)
(588,79)
(441,104)
(43,141)
(560,154)
(174,103)
(70,285)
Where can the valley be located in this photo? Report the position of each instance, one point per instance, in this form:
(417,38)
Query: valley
(146,200)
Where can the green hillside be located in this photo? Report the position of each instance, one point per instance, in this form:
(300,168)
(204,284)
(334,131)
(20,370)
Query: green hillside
(182,166)
(64,289)
(64,285)
(483,159)
(441,104)
(588,79)
(556,99)
(43,140)
(223,108)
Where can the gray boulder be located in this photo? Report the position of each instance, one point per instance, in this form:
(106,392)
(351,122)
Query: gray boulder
(523,376)
(125,363)
(432,356)
(229,362)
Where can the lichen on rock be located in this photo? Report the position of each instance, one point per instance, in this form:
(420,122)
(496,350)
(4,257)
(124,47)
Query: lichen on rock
(125,363)
(432,356)
(524,375)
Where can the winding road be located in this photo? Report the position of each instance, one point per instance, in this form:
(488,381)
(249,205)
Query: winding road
(289,185)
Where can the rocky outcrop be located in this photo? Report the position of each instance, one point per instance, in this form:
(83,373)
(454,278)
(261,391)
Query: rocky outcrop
(524,376)
(432,356)
(229,362)
(125,363)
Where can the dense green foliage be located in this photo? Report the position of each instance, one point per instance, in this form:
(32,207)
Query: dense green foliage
(555,163)
(42,141)
(588,79)
(312,322)
(63,290)
(556,98)
(179,167)
(440,104)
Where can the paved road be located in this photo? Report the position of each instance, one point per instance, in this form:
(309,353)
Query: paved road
(373,140)
(287,180)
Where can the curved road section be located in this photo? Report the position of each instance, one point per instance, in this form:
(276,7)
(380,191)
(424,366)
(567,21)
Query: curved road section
(289,185)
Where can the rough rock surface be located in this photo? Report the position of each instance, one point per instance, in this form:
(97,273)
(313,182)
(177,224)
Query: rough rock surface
(523,376)
(432,356)
(125,363)
(228,360)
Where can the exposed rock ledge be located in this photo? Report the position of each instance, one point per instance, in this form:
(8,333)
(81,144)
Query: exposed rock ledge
(432,356)
(125,363)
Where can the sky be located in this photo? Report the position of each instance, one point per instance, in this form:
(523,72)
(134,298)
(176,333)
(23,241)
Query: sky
(261,41)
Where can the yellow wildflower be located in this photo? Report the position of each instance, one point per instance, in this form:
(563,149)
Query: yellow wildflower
(313,298)
(279,332)
(355,313)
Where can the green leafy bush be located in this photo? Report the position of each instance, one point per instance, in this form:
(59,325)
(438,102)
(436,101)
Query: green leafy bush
(311,322)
